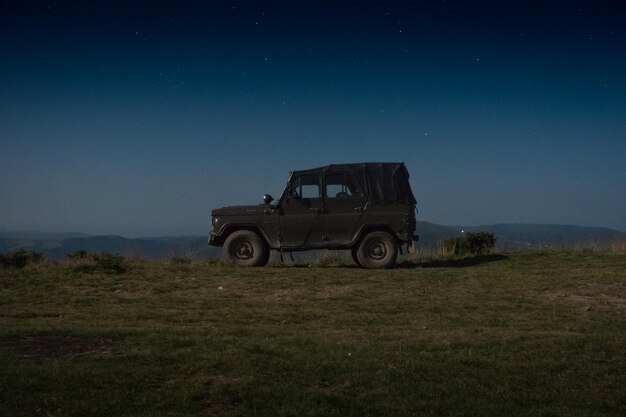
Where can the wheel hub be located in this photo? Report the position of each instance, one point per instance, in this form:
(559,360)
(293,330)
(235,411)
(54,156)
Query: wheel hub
(244,250)
(377,250)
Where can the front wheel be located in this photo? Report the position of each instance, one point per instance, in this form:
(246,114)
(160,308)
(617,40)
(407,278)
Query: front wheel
(377,250)
(246,248)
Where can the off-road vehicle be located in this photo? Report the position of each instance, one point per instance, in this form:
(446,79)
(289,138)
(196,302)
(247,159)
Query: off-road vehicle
(367,208)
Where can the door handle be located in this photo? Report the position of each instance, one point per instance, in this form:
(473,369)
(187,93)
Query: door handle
(315,209)
(361,208)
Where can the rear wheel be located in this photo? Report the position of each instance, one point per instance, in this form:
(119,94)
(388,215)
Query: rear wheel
(377,250)
(246,248)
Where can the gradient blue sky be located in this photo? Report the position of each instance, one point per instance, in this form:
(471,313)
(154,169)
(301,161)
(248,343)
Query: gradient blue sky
(136,118)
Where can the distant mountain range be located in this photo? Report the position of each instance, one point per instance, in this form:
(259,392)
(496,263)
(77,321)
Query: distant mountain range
(58,245)
(509,237)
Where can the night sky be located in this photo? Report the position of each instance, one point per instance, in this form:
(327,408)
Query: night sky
(136,118)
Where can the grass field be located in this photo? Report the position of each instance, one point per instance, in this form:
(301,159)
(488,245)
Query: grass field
(519,334)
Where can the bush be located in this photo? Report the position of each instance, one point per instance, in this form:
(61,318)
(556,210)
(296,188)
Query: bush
(98,262)
(479,243)
(20,259)
(80,255)
(110,263)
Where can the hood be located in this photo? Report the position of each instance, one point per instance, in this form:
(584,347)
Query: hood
(238,210)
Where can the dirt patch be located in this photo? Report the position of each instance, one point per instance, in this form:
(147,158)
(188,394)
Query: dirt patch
(57,346)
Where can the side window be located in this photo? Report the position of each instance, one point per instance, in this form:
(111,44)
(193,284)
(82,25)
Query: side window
(306,186)
(342,185)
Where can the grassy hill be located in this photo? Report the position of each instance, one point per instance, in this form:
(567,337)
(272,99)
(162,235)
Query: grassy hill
(524,333)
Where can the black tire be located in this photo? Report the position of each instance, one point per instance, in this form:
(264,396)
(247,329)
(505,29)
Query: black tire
(377,250)
(246,248)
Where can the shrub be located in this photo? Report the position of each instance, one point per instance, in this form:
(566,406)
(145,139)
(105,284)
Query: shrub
(110,263)
(80,255)
(98,262)
(20,259)
(479,243)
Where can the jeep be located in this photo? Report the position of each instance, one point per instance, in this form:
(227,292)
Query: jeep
(367,208)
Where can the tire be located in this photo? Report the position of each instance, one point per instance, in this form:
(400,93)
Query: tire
(377,250)
(246,248)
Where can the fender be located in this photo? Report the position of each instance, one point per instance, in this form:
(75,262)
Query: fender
(367,228)
(218,238)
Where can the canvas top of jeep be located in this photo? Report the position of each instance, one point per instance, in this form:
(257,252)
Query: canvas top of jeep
(368,208)
(384,182)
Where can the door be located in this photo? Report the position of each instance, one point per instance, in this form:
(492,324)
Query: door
(344,205)
(301,221)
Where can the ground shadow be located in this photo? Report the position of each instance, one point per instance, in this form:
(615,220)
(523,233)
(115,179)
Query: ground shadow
(453,262)
(426,263)
(313,265)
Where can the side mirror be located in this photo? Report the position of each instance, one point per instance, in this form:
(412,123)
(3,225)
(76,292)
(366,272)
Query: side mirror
(267,199)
